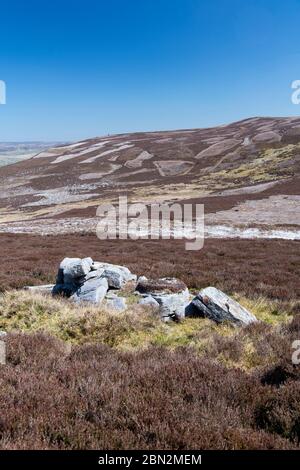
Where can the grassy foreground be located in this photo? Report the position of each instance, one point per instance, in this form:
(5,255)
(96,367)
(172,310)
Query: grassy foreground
(86,379)
(138,328)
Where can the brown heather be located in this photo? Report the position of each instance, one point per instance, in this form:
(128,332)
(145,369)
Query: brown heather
(251,267)
(97,397)
(84,379)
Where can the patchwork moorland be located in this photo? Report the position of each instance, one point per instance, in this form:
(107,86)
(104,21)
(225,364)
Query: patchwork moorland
(246,173)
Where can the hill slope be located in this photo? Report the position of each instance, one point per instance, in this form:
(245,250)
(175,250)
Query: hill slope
(13,152)
(246,173)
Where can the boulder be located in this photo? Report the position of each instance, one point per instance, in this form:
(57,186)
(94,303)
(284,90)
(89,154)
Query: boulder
(72,269)
(149,301)
(214,304)
(114,278)
(166,285)
(115,303)
(170,294)
(92,291)
(93,275)
(172,306)
(122,271)
(64,290)
(47,288)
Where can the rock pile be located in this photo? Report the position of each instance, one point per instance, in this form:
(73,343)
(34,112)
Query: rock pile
(85,280)
(169,295)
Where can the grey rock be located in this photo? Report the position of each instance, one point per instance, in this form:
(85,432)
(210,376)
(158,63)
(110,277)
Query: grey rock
(96,265)
(60,276)
(111,294)
(64,290)
(149,301)
(214,304)
(74,268)
(120,270)
(114,278)
(47,288)
(3,334)
(170,294)
(96,274)
(86,280)
(93,291)
(172,306)
(116,303)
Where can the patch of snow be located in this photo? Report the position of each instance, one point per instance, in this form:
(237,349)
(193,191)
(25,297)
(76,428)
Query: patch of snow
(275,210)
(267,136)
(47,154)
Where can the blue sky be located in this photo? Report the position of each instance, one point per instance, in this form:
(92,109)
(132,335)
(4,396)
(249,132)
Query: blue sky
(77,69)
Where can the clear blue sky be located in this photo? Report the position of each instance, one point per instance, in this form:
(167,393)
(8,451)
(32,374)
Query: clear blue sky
(77,69)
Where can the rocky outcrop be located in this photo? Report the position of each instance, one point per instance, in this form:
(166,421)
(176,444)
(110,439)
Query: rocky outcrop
(92,291)
(149,301)
(113,269)
(88,281)
(71,275)
(214,304)
(84,280)
(170,294)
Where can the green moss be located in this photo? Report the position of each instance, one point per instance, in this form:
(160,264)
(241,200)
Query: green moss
(265,167)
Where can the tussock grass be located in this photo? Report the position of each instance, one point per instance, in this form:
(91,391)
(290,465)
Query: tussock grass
(33,312)
(138,328)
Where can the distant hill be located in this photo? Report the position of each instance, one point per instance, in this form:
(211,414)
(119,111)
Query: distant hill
(13,152)
(246,173)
